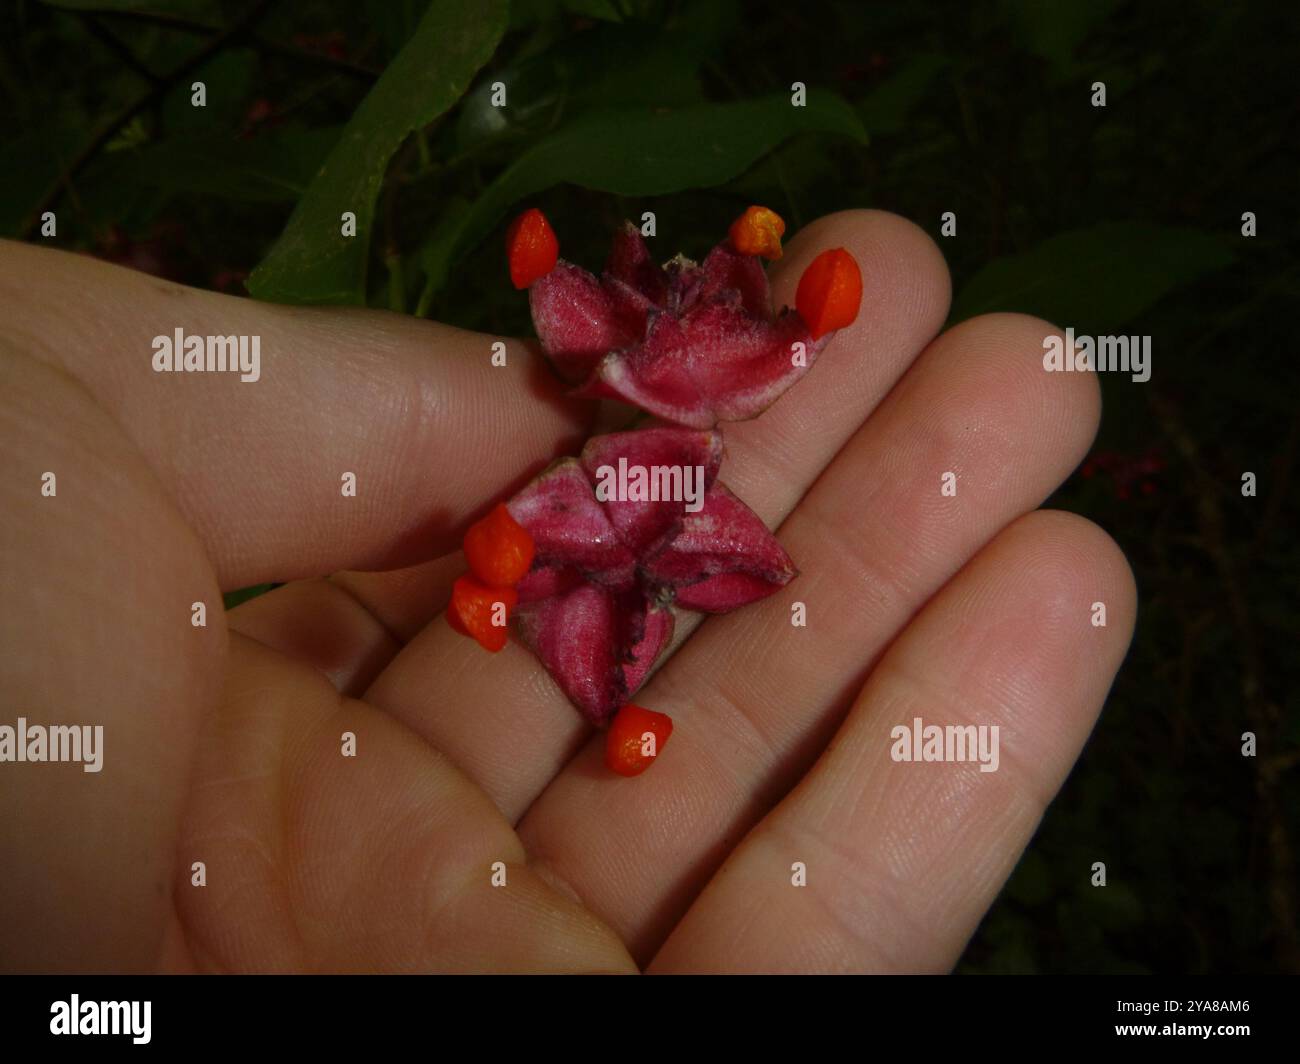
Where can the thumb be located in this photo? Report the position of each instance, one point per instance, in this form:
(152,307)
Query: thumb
(366,440)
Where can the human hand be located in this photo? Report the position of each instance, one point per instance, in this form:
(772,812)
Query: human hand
(223,743)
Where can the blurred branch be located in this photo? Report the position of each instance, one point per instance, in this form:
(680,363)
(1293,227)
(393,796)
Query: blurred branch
(182,24)
(237,29)
(115,45)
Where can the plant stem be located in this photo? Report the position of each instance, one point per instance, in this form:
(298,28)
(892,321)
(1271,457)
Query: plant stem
(396,282)
(426,298)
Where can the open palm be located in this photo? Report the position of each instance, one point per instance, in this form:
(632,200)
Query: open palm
(224,744)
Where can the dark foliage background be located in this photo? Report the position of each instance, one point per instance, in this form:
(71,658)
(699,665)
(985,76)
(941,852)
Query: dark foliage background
(1126,218)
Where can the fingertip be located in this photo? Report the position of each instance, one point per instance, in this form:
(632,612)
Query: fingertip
(1078,553)
(905,296)
(1000,357)
(905,277)
(1057,597)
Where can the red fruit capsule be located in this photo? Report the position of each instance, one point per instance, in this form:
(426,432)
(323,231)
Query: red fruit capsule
(531,248)
(830,292)
(473,607)
(499,549)
(635,738)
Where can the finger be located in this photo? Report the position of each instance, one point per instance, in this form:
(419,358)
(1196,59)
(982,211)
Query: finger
(773,459)
(332,839)
(322,625)
(417,412)
(756,450)
(903,858)
(756,698)
(349,626)
(99,578)
(501,718)
(405,600)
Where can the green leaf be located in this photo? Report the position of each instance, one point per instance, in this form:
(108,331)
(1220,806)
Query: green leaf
(394,22)
(313,262)
(789,174)
(642,152)
(273,167)
(602,67)
(1096,278)
(231,599)
(528,13)
(524,13)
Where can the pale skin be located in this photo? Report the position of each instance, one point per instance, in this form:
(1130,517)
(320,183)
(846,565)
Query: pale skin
(223,744)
